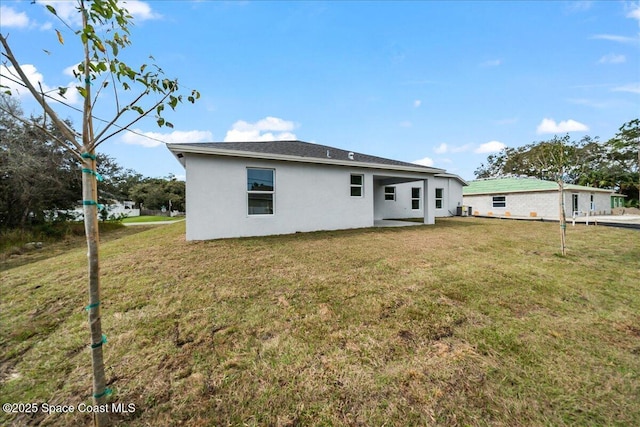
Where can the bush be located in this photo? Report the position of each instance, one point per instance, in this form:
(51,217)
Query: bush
(11,240)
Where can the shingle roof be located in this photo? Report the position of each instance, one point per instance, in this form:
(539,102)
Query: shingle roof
(302,149)
(520,185)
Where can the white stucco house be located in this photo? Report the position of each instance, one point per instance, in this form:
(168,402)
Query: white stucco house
(240,189)
(534,198)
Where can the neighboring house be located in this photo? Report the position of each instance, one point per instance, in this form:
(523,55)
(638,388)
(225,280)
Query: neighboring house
(534,198)
(115,209)
(237,189)
(617,200)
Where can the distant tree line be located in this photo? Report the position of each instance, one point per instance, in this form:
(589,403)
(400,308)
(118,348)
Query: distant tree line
(612,164)
(38,177)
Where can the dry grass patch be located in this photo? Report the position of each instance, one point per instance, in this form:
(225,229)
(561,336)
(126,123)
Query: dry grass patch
(470,322)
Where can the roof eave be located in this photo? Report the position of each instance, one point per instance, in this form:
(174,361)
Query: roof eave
(454,176)
(178,149)
(541,190)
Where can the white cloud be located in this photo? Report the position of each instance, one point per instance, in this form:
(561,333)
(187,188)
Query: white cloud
(417,103)
(140,10)
(405,124)
(69,70)
(614,38)
(32,75)
(550,126)
(10,18)
(427,161)
(591,103)
(37,79)
(154,139)
(446,148)
(441,149)
(631,87)
(579,6)
(490,147)
(634,13)
(491,63)
(612,58)
(262,130)
(65,10)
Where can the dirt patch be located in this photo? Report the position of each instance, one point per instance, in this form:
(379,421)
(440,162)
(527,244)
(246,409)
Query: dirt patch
(625,211)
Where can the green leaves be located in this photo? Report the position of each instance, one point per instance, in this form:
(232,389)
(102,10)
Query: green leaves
(139,89)
(173,102)
(194,95)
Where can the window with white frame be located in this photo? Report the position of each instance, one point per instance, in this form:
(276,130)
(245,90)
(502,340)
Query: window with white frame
(415,198)
(390,193)
(499,201)
(260,191)
(357,184)
(439,198)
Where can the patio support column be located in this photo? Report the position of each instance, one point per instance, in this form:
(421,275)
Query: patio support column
(429,203)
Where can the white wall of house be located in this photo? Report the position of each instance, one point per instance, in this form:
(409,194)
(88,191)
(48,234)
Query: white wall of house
(595,203)
(543,204)
(452,192)
(307,197)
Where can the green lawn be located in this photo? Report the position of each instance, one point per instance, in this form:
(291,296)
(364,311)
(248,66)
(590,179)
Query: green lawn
(473,322)
(150,218)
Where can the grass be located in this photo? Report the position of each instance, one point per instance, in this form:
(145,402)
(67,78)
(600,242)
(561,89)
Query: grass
(469,322)
(150,218)
(56,238)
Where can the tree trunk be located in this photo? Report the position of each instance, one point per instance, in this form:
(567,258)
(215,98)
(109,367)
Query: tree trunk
(563,218)
(90,202)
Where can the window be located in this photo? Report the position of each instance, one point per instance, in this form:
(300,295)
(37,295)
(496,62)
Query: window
(356,185)
(415,198)
(592,203)
(574,203)
(260,191)
(390,193)
(439,197)
(499,201)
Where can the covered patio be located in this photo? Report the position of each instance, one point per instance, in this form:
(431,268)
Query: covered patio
(389,212)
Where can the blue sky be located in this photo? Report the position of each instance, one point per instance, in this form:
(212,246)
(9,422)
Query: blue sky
(443,83)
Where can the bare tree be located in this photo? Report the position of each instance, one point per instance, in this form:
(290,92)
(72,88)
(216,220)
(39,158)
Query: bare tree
(554,157)
(103,33)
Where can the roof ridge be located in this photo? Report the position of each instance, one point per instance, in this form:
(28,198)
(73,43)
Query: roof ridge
(306,149)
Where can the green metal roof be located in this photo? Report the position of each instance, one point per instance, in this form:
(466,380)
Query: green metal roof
(520,185)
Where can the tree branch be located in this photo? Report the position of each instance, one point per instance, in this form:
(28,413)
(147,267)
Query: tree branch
(59,124)
(118,115)
(122,128)
(87,141)
(57,140)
